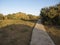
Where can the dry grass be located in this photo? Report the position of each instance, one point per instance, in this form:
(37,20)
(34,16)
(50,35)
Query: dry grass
(10,22)
(54,33)
(15,32)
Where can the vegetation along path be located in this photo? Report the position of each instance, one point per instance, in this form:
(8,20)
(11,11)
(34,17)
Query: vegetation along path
(40,36)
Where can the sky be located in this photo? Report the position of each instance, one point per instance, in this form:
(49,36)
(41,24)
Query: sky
(26,6)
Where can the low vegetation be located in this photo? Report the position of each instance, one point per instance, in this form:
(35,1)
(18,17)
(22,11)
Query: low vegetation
(16,29)
(54,33)
(19,16)
(15,32)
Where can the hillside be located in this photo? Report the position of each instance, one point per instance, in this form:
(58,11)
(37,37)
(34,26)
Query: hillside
(15,32)
(16,29)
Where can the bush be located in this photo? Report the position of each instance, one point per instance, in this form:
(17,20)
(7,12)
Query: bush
(51,15)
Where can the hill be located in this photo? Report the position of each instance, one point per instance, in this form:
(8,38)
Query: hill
(16,29)
(15,32)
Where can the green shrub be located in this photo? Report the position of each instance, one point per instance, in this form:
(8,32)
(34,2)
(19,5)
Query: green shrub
(51,15)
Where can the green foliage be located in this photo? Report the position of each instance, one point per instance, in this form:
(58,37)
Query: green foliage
(51,15)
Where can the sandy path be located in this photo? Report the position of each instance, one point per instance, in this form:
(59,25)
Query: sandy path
(40,36)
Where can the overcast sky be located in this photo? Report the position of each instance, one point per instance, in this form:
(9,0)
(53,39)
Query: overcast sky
(26,6)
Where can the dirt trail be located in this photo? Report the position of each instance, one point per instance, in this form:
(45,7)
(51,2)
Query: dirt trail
(40,36)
